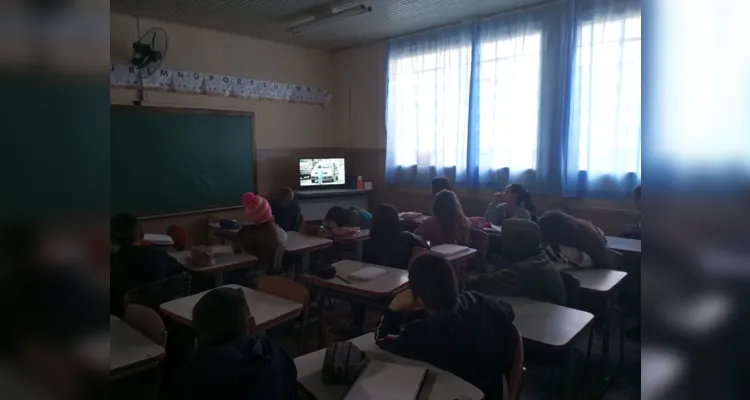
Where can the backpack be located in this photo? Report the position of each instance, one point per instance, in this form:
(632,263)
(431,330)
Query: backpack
(342,364)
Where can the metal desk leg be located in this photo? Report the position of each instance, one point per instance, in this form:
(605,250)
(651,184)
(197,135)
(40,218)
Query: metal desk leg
(218,279)
(605,333)
(321,324)
(360,250)
(306,263)
(569,368)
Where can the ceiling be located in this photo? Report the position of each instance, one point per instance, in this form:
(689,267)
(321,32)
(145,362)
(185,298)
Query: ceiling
(269,19)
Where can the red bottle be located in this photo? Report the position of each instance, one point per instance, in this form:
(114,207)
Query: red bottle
(360,184)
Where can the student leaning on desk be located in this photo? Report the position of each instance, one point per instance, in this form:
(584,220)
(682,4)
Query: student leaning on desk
(231,363)
(468,334)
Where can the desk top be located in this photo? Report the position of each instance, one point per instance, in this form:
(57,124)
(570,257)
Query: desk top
(462,256)
(393,281)
(438,385)
(267,310)
(158,239)
(547,323)
(128,347)
(301,243)
(623,244)
(493,229)
(225,260)
(363,234)
(597,279)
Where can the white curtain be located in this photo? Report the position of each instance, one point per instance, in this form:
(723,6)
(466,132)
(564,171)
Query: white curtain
(428,104)
(509,64)
(604,142)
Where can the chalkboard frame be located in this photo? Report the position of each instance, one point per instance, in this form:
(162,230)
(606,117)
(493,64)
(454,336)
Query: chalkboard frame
(191,110)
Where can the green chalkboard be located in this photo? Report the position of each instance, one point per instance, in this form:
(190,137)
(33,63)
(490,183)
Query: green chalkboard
(166,161)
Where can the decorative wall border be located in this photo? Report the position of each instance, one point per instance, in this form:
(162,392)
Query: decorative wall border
(169,80)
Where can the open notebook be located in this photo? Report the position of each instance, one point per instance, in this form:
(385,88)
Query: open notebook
(449,249)
(381,380)
(367,273)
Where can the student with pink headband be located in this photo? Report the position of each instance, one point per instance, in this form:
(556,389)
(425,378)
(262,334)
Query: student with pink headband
(262,237)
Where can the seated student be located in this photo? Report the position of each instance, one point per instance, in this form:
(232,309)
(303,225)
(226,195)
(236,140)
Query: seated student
(527,272)
(467,334)
(286,212)
(134,266)
(231,363)
(448,225)
(389,245)
(439,184)
(262,238)
(513,202)
(634,231)
(572,241)
(339,217)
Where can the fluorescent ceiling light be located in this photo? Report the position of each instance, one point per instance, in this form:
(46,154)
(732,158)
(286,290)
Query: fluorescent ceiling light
(330,18)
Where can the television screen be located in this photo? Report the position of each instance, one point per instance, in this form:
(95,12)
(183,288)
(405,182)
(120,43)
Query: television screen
(321,171)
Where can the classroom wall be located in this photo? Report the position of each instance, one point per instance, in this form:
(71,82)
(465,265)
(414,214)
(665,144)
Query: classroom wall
(284,132)
(359,122)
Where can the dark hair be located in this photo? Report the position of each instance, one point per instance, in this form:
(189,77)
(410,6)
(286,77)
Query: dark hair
(122,229)
(450,216)
(439,184)
(220,317)
(561,229)
(337,214)
(385,223)
(523,197)
(432,279)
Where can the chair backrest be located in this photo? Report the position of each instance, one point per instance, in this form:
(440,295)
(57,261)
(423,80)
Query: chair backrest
(572,289)
(146,321)
(179,235)
(285,288)
(479,240)
(515,377)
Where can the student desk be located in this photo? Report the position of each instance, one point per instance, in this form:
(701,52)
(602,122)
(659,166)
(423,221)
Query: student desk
(602,282)
(375,293)
(551,325)
(225,260)
(459,262)
(438,384)
(267,310)
(300,243)
(358,238)
(493,229)
(623,244)
(130,351)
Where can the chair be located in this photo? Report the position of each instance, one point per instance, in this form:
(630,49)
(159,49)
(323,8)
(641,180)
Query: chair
(288,289)
(481,241)
(515,376)
(179,235)
(146,321)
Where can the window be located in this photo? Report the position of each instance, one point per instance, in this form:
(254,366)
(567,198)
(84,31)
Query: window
(428,107)
(606,107)
(509,102)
